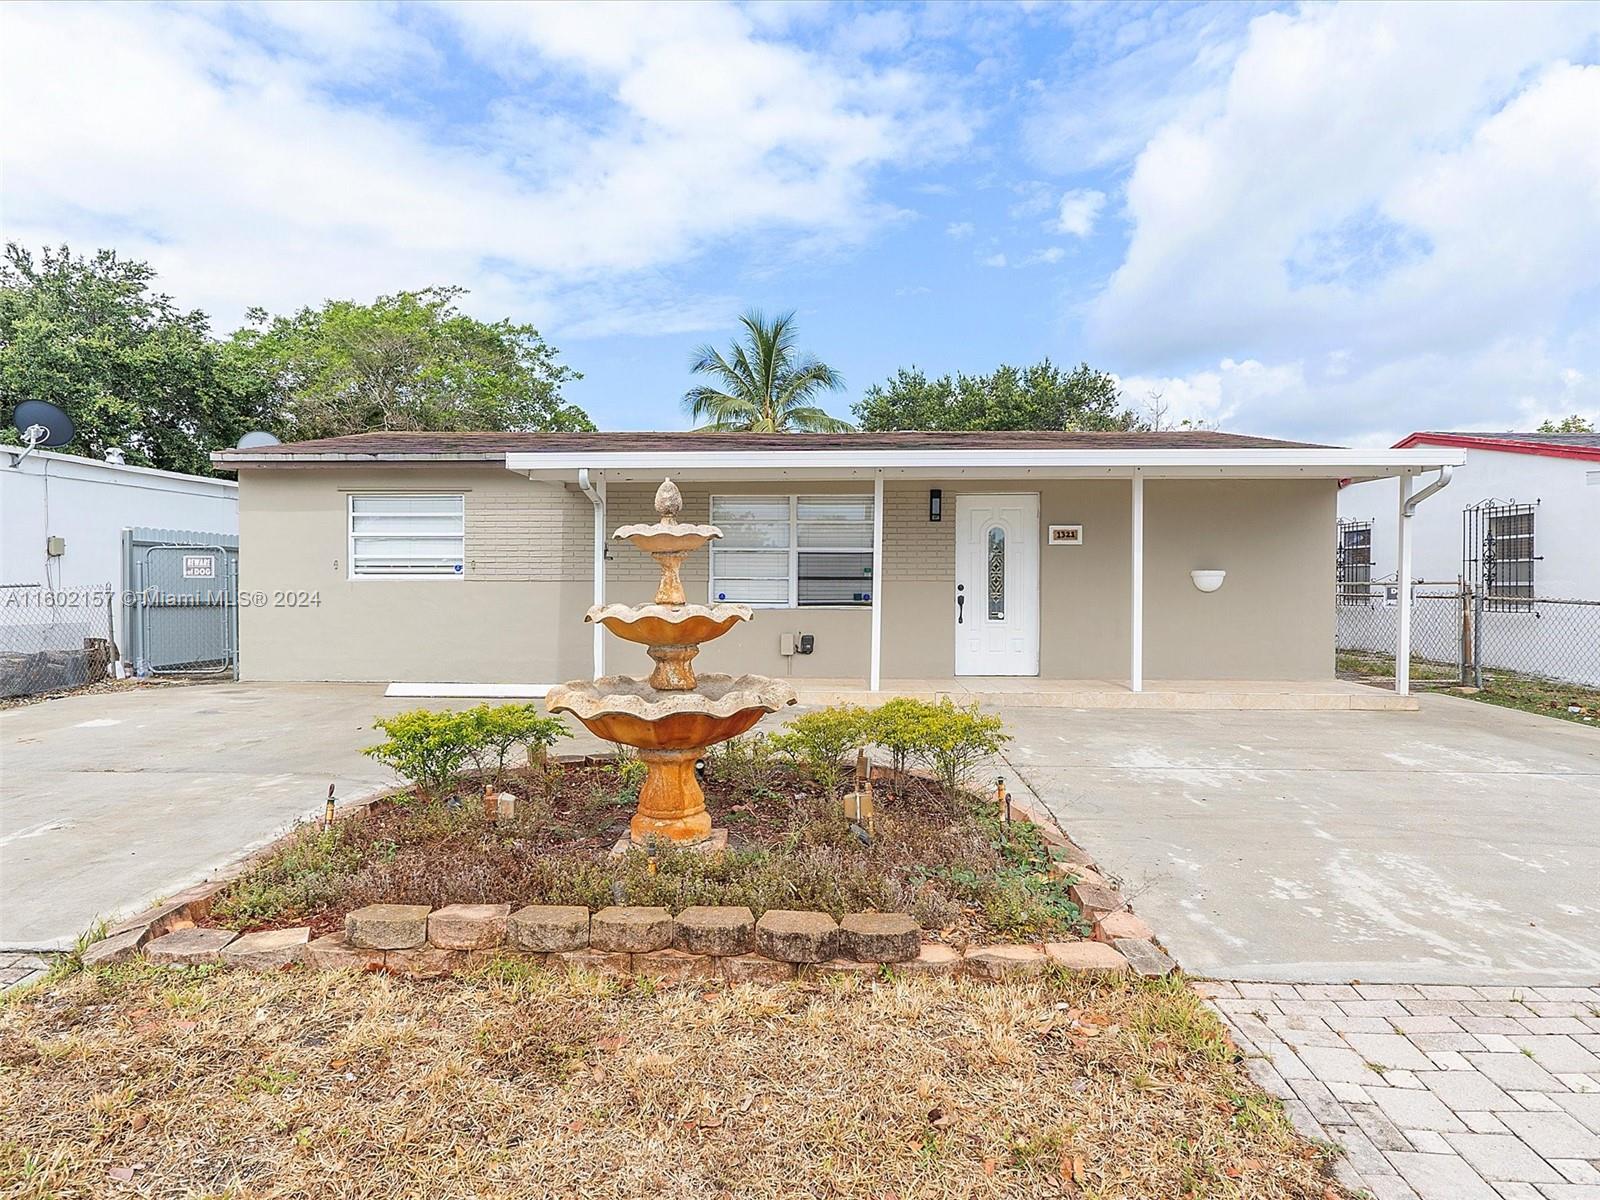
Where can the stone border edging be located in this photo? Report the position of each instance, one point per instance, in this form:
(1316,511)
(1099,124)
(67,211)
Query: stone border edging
(626,941)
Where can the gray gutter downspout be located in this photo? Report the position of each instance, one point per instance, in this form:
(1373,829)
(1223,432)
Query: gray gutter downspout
(596,491)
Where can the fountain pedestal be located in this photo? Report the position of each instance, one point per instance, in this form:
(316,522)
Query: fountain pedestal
(672,805)
(672,715)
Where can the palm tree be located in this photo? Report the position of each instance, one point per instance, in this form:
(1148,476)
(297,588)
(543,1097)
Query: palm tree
(763,385)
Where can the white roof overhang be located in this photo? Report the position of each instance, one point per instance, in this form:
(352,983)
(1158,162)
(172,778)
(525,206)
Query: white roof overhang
(1276,463)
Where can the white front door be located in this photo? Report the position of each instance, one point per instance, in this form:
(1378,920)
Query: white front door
(997,584)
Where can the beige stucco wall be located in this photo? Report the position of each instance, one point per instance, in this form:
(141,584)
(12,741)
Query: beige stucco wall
(516,615)
(1273,617)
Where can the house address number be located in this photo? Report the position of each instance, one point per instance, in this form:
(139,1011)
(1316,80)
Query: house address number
(1066,535)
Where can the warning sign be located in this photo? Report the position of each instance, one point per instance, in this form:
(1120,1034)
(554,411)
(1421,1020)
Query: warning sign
(199,566)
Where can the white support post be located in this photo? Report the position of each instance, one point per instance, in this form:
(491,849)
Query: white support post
(874,676)
(1402,639)
(1136,655)
(596,490)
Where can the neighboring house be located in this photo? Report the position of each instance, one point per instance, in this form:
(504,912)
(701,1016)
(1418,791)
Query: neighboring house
(895,556)
(1519,520)
(62,552)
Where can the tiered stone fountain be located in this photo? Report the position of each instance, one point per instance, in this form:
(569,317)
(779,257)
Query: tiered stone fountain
(673,715)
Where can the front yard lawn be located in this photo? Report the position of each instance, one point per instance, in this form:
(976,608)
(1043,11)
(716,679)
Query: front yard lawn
(1548,697)
(520,1081)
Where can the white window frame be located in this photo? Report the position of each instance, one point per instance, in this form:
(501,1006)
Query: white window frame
(794,549)
(350,537)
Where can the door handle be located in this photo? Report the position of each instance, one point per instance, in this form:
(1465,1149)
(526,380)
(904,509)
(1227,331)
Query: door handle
(961,604)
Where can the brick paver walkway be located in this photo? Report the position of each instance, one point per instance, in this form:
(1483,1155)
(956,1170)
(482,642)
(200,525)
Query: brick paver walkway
(1435,1093)
(17,968)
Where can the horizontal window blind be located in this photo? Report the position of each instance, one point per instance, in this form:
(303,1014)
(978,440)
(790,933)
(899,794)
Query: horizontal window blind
(792,551)
(398,536)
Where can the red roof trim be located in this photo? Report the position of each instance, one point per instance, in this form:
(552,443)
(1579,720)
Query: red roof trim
(1509,445)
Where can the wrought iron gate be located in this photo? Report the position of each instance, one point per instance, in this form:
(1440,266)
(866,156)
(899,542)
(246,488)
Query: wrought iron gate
(181,601)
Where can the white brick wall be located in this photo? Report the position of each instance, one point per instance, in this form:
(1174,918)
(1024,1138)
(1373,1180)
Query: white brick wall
(913,546)
(539,533)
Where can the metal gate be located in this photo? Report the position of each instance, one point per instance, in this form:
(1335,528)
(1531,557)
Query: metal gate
(181,601)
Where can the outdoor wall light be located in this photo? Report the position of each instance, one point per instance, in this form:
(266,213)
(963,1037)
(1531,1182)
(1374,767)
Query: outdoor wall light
(935,504)
(1208,581)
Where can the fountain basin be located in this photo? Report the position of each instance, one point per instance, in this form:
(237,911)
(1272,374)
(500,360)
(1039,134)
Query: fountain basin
(668,624)
(668,539)
(670,730)
(620,708)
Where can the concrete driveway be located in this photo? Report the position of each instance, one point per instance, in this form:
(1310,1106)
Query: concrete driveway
(1457,844)
(116,799)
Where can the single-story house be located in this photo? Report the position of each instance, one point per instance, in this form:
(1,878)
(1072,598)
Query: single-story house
(872,557)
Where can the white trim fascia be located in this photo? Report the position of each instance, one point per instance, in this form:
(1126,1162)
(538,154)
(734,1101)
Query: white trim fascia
(1316,463)
(1330,463)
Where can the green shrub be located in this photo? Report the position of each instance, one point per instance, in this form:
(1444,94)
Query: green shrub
(744,763)
(630,771)
(424,747)
(492,734)
(953,741)
(898,727)
(821,740)
(430,748)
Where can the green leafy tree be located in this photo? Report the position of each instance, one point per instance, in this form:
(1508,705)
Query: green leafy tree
(132,370)
(1572,424)
(1042,396)
(763,384)
(411,361)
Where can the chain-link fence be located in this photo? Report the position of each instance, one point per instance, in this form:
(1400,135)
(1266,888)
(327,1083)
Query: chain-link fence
(53,641)
(1553,639)
(1457,635)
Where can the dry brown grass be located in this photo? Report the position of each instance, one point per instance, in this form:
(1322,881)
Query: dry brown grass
(522,1082)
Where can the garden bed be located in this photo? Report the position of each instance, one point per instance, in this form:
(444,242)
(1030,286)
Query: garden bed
(945,857)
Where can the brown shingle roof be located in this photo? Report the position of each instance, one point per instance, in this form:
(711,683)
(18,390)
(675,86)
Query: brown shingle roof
(492,446)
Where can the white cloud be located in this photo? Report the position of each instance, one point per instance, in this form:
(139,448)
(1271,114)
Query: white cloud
(959,229)
(1078,212)
(1512,383)
(993,260)
(244,144)
(1047,256)
(1397,208)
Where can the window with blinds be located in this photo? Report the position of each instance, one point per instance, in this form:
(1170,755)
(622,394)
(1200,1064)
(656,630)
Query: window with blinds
(407,536)
(792,551)
(1508,551)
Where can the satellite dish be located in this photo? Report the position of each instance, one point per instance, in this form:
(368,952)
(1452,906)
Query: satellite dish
(42,424)
(257,437)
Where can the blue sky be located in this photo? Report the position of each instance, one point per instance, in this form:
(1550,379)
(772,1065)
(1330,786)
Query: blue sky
(1335,222)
